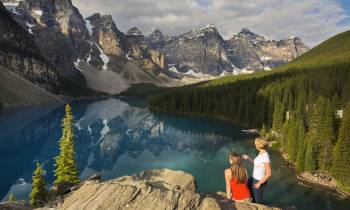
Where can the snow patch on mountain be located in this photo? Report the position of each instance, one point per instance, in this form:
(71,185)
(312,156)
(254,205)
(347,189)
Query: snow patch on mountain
(266,58)
(30,26)
(88,58)
(12,7)
(103,56)
(105,129)
(193,73)
(127,55)
(76,65)
(88,26)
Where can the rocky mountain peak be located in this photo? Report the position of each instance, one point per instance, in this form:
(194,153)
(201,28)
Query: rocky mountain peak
(48,7)
(208,32)
(101,21)
(210,29)
(247,34)
(156,39)
(134,31)
(106,36)
(294,38)
(246,31)
(157,34)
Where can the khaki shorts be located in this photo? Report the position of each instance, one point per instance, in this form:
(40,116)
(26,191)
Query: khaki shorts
(247,200)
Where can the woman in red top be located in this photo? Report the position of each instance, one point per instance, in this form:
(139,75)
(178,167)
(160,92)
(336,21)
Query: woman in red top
(236,180)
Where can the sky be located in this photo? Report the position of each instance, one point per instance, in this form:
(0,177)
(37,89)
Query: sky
(312,20)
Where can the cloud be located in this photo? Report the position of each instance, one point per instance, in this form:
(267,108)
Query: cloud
(312,20)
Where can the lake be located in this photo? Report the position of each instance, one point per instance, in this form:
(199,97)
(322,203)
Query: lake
(117,137)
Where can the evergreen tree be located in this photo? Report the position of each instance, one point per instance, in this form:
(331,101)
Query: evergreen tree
(341,160)
(284,136)
(326,136)
(66,170)
(292,145)
(300,159)
(336,102)
(264,131)
(310,163)
(296,132)
(278,116)
(39,194)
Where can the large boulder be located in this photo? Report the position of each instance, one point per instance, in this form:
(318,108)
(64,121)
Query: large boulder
(150,189)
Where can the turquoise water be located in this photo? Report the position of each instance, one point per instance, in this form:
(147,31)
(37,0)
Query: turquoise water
(117,138)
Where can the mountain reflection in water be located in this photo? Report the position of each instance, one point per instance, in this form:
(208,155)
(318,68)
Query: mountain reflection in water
(116,138)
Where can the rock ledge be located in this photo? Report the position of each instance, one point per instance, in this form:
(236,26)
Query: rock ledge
(150,189)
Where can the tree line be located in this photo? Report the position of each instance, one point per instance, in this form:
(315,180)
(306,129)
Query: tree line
(305,109)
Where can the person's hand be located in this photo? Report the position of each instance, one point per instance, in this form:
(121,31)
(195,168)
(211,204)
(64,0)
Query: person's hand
(257,185)
(245,157)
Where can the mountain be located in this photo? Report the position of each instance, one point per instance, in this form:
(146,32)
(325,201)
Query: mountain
(205,51)
(200,50)
(92,52)
(58,30)
(299,105)
(117,60)
(95,53)
(19,54)
(17,91)
(254,52)
(322,71)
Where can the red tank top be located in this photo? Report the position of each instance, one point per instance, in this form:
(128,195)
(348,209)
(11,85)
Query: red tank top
(239,191)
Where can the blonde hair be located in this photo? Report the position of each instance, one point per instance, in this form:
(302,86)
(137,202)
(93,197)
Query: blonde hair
(261,143)
(237,169)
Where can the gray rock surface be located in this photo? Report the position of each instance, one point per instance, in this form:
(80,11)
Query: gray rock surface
(19,54)
(96,53)
(152,189)
(205,51)
(59,31)
(250,51)
(16,91)
(202,50)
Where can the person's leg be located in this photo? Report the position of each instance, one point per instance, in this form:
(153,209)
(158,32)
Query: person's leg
(251,188)
(258,193)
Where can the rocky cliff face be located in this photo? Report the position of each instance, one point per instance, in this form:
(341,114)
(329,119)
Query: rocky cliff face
(151,189)
(58,30)
(96,51)
(250,51)
(148,57)
(91,50)
(202,50)
(119,48)
(19,54)
(107,45)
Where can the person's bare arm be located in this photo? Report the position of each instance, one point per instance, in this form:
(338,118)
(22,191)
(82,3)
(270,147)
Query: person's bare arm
(228,184)
(246,157)
(268,173)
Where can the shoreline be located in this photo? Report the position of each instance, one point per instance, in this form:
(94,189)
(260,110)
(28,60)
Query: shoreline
(317,181)
(308,179)
(312,181)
